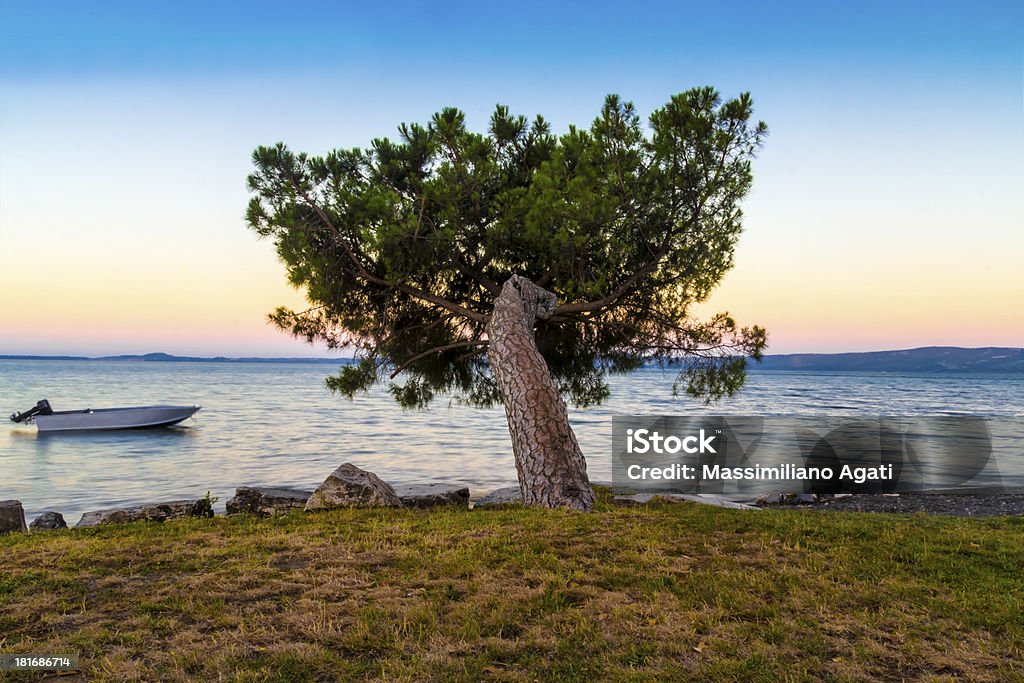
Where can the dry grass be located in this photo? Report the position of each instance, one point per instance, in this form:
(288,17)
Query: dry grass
(658,593)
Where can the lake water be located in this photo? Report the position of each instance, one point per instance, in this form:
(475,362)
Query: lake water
(276,424)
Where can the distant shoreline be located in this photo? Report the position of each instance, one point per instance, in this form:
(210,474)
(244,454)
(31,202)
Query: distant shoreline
(168,358)
(931,359)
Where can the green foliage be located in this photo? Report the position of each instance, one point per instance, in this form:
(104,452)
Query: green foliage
(403,247)
(204,506)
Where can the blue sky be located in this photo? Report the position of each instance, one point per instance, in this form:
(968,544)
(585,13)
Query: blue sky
(197,38)
(887,209)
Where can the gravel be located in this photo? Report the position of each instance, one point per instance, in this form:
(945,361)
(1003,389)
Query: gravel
(959,505)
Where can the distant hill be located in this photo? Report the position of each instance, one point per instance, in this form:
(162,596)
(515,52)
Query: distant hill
(168,358)
(927,359)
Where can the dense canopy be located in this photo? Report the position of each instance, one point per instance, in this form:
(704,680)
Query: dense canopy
(403,247)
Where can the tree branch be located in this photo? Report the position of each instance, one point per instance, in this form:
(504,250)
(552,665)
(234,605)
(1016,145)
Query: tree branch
(439,349)
(622,289)
(405,289)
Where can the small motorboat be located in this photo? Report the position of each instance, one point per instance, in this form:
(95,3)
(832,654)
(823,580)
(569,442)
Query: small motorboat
(47,419)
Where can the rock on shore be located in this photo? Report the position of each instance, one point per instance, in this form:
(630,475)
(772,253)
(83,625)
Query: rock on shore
(507,495)
(702,498)
(432,494)
(154,512)
(349,486)
(266,501)
(48,521)
(12,517)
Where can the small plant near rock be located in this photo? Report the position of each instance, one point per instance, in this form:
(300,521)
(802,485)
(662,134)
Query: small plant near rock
(204,506)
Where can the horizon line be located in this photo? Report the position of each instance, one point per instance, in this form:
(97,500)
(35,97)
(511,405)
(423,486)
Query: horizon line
(296,359)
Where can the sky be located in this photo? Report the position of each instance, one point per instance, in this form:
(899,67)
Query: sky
(887,208)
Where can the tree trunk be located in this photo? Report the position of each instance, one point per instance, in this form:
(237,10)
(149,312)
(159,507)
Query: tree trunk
(552,470)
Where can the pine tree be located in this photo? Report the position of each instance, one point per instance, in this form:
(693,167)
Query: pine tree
(519,266)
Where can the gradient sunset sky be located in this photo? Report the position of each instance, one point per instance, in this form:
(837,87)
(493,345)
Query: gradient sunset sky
(888,202)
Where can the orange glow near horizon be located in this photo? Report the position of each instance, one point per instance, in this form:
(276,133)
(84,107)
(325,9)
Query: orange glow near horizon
(217,308)
(210,308)
(838,306)
(195,301)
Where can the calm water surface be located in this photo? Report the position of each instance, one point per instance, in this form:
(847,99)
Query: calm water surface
(276,424)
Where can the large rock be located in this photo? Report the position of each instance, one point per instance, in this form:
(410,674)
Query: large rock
(786,498)
(703,498)
(432,495)
(504,496)
(12,517)
(48,521)
(266,501)
(349,486)
(154,512)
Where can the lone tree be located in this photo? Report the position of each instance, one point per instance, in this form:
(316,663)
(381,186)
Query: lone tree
(521,266)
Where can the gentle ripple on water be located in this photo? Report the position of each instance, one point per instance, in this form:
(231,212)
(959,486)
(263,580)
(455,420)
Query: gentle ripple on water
(276,424)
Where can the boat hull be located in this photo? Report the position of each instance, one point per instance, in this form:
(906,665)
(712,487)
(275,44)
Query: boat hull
(104,419)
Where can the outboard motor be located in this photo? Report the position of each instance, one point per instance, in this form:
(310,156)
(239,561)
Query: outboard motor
(41,408)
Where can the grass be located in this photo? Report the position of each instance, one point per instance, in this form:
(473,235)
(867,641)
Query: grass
(665,592)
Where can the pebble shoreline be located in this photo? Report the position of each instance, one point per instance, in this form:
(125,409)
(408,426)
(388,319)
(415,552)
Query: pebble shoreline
(958,505)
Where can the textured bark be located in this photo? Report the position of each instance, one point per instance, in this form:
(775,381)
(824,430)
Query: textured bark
(551,467)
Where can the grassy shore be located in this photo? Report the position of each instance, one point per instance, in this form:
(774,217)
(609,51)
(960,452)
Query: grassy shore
(652,593)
